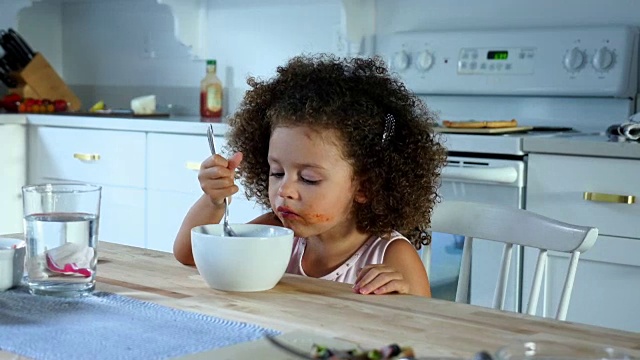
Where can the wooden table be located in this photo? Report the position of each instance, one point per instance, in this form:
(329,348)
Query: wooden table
(432,327)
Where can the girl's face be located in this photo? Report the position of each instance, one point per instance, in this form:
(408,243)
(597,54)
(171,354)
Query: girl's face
(311,186)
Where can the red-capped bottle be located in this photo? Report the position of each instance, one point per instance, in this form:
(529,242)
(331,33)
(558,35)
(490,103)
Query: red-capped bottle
(211,95)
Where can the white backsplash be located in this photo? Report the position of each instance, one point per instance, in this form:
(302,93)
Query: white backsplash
(102,45)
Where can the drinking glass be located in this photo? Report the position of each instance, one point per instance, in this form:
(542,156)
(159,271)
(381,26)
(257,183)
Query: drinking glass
(559,350)
(61,230)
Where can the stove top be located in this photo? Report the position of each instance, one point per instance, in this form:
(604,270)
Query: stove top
(502,144)
(583,144)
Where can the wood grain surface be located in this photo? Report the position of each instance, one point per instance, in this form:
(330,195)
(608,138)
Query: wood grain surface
(432,327)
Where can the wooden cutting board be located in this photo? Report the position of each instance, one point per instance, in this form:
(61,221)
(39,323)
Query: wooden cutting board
(487,131)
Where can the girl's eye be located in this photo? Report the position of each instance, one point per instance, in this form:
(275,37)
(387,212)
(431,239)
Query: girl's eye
(310,182)
(276,174)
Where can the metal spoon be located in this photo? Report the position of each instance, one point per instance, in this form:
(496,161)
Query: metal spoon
(226,229)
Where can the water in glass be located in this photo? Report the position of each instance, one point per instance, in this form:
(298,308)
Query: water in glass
(62,256)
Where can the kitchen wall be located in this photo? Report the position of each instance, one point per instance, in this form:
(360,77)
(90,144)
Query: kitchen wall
(117,49)
(406,15)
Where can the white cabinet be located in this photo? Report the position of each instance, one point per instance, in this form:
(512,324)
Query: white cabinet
(174,160)
(166,210)
(173,164)
(607,283)
(149,180)
(113,159)
(122,216)
(13,172)
(88,155)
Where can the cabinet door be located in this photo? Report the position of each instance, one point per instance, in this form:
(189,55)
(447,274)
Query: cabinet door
(14,171)
(606,288)
(556,186)
(122,216)
(174,161)
(167,209)
(88,155)
(607,283)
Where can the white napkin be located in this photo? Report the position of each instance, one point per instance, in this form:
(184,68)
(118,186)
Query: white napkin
(626,131)
(631,130)
(67,259)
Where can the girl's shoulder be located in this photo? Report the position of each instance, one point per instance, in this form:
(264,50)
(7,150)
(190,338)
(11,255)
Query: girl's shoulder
(386,239)
(376,247)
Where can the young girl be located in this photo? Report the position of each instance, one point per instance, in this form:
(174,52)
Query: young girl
(345,156)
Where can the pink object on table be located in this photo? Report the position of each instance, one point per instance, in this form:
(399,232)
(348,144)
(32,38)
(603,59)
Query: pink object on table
(70,259)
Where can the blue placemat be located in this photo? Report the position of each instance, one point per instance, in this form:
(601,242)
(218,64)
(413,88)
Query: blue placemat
(110,326)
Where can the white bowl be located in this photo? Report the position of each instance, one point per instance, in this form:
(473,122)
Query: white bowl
(255,260)
(12,253)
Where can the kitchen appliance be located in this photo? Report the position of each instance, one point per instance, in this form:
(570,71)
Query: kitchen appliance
(584,78)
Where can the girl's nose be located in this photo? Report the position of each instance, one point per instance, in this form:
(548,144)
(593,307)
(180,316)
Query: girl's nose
(286,189)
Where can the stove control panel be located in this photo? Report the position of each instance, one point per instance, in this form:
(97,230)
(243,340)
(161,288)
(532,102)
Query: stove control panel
(513,60)
(578,61)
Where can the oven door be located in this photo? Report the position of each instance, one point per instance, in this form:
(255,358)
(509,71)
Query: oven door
(491,181)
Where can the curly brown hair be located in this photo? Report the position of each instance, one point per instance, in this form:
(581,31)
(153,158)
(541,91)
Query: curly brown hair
(399,177)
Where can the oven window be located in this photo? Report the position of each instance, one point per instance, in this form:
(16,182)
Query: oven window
(446,249)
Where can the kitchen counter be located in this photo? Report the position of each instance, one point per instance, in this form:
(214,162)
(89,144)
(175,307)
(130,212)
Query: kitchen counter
(174,125)
(331,309)
(19,119)
(583,145)
(563,144)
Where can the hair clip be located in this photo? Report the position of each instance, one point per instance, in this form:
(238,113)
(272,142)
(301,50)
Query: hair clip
(389,127)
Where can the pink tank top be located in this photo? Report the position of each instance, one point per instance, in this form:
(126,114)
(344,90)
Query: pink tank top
(371,252)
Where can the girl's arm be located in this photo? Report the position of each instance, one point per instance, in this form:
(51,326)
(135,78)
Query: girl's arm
(402,256)
(216,177)
(204,211)
(401,272)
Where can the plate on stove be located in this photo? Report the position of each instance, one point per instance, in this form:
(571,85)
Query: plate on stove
(486,131)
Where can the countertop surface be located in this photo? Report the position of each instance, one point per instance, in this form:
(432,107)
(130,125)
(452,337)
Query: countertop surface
(13,119)
(175,125)
(330,309)
(562,144)
(582,144)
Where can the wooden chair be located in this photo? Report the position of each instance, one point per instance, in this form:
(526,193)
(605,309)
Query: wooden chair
(512,227)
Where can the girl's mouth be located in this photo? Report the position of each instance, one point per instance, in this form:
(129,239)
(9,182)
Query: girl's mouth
(286,213)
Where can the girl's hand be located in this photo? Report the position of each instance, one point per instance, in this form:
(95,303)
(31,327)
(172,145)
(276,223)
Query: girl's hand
(380,279)
(216,177)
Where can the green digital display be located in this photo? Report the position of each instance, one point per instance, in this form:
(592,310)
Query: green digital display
(497,55)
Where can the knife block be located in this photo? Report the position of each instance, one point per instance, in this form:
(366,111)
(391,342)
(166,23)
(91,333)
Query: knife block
(38,80)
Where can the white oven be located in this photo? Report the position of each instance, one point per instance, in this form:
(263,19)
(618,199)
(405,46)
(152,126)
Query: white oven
(583,77)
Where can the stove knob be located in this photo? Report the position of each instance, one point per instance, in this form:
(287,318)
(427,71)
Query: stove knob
(400,60)
(424,61)
(574,59)
(603,59)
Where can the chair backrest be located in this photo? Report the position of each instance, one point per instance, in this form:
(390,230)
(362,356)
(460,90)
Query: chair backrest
(512,227)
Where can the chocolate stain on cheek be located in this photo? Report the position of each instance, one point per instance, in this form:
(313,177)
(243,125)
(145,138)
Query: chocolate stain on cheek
(316,218)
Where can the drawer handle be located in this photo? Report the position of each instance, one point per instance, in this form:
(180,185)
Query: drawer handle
(86,157)
(192,165)
(610,198)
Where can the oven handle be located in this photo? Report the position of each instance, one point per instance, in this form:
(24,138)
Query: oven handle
(502,175)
